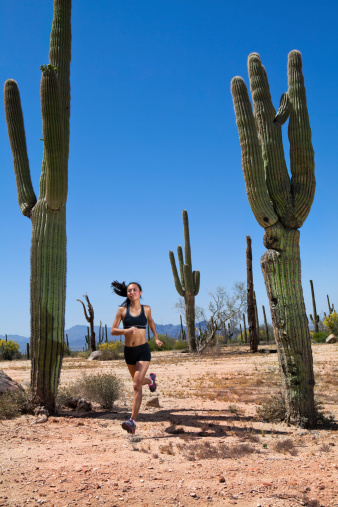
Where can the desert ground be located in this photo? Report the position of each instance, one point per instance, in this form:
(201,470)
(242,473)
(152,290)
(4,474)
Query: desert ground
(202,445)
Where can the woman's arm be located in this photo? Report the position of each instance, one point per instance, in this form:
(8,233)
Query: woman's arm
(152,326)
(115,330)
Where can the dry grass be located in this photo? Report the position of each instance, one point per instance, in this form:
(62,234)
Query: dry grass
(286,446)
(205,450)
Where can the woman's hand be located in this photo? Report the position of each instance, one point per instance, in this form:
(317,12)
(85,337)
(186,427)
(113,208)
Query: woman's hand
(158,342)
(130,331)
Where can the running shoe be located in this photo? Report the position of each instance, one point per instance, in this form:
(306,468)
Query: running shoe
(129,425)
(153,385)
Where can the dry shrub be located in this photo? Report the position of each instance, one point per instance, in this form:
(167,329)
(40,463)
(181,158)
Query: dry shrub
(273,410)
(101,388)
(286,445)
(167,449)
(205,450)
(12,404)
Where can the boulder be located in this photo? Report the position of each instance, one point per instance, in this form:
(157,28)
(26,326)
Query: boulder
(331,339)
(94,356)
(8,384)
(153,402)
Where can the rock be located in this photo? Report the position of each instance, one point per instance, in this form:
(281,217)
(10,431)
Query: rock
(153,402)
(83,405)
(7,384)
(331,339)
(94,356)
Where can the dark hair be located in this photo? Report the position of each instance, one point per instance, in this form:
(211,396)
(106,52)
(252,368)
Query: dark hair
(121,290)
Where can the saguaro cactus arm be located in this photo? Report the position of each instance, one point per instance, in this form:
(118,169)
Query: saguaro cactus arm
(196,278)
(17,139)
(252,161)
(301,151)
(54,144)
(175,274)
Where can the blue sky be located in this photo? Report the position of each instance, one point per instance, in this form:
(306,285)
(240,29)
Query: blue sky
(153,132)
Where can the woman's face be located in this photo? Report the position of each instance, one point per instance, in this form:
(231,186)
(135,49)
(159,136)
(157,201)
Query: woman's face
(133,292)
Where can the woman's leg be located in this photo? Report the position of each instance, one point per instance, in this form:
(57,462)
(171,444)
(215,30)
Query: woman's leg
(139,380)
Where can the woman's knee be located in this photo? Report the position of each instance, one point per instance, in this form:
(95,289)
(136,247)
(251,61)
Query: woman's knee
(137,386)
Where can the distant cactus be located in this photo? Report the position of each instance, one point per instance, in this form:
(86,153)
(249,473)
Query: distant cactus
(48,213)
(188,283)
(183,335)
(266,325)
(281,205)
(315,317)
(253,338)
(244,327)
(89,318)
(331,308)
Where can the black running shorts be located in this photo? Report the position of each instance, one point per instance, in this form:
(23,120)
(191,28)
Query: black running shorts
(139,353)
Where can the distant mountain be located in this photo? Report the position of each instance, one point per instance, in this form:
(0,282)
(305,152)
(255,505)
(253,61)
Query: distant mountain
(76,335)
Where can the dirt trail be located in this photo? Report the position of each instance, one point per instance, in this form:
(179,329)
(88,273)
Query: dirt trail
(201,446)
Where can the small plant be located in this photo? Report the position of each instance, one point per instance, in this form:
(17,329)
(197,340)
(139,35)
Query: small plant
(167,449)
(111,350)
(9,350)
(101,388)
(285,446)
(325,448)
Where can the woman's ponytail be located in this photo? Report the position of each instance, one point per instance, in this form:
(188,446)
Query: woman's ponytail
(121,290)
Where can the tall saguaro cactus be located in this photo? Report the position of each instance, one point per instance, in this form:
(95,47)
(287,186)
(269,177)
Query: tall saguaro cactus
(188,283)
(281,205)
(48,213)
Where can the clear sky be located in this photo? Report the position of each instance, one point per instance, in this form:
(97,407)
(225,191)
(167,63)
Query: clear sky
(153,132)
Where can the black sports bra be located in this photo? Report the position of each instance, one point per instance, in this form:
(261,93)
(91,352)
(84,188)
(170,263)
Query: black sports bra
(140,321)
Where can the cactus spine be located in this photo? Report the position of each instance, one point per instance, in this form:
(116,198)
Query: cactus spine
(281,205)
(315,317)
(48,213)
(188,283)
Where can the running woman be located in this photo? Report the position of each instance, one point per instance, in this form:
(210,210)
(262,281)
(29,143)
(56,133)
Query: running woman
(136,349)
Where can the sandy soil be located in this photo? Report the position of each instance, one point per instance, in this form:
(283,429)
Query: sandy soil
(206,405)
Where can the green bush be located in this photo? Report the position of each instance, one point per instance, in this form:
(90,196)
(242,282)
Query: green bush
(101,388)
(9,350)
(331,323)
(167,341)
(181,345)
(319,337)
(111,350)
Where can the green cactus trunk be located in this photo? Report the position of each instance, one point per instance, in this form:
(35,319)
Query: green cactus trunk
(281,205)
(190,321)
(188,283)
(48,214)
(282,276)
